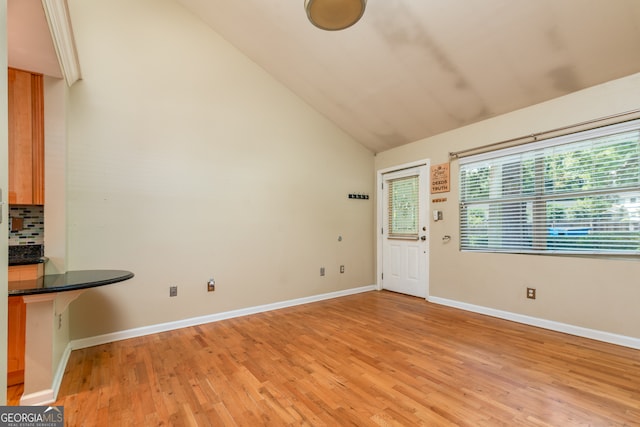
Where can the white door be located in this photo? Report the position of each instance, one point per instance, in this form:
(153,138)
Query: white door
(404,234)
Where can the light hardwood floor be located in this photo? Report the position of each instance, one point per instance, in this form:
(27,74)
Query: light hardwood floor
(377,358)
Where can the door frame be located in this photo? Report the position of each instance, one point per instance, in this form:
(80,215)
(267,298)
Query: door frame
(380,215)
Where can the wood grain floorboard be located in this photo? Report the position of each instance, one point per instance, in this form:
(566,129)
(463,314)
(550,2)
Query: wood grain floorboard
(372,359)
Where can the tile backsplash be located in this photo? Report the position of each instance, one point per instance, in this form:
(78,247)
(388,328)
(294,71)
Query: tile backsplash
(32,232)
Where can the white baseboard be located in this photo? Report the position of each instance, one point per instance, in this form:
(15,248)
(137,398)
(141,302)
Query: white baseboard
(543,323)
(49,396)
(39,398)
(169,326)
(62,365)
(45,397)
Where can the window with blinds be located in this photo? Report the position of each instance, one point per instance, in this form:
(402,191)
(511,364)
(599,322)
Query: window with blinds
(403,208)
(575,194)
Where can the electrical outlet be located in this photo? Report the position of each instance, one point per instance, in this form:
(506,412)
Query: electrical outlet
(342,269)
(531,293)
(322,271)
(211,285)
(173,291)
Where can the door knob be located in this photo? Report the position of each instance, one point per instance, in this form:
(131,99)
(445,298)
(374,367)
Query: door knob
(423,237)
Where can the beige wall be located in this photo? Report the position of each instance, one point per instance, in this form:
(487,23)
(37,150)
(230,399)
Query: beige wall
(4,177)
(186,161)
(599,294)
(55,93)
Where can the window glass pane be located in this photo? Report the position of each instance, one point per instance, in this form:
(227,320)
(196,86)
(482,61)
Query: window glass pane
(475,182)
(601,223)
(611,161)
(403,207)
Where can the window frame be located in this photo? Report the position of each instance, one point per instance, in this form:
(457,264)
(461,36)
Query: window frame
(535,205)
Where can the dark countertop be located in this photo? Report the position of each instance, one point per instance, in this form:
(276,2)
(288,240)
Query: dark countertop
(40,260)
(69,281)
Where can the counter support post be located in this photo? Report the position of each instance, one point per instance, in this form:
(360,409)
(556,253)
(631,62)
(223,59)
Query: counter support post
(38,355)
(42,310)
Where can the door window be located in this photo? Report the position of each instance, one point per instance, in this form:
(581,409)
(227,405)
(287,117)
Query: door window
(403,208)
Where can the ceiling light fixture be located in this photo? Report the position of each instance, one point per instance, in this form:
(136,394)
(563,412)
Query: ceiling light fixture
(333,15)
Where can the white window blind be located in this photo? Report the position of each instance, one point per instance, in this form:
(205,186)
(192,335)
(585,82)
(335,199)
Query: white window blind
(404,207)
(575,194)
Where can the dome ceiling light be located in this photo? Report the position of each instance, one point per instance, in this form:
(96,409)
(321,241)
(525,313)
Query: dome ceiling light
(333,15)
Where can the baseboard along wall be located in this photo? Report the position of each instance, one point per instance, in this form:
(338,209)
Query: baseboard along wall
(169,326)
(579,331)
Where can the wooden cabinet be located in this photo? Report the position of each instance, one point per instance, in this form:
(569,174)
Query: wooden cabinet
(26,138)
(17,318)
(25,272)
(17,311)
(26,187)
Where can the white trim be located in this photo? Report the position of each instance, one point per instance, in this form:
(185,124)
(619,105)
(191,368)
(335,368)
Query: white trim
(409,165)
(62,365)
(593,334)
(194,321)
(57,14)
(42,397)
(36,298)
(380,214)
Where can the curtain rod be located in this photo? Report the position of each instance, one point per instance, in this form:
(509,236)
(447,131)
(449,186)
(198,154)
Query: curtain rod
(523,139)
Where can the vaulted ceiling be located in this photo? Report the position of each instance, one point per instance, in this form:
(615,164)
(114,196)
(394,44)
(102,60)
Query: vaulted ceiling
(411,69)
